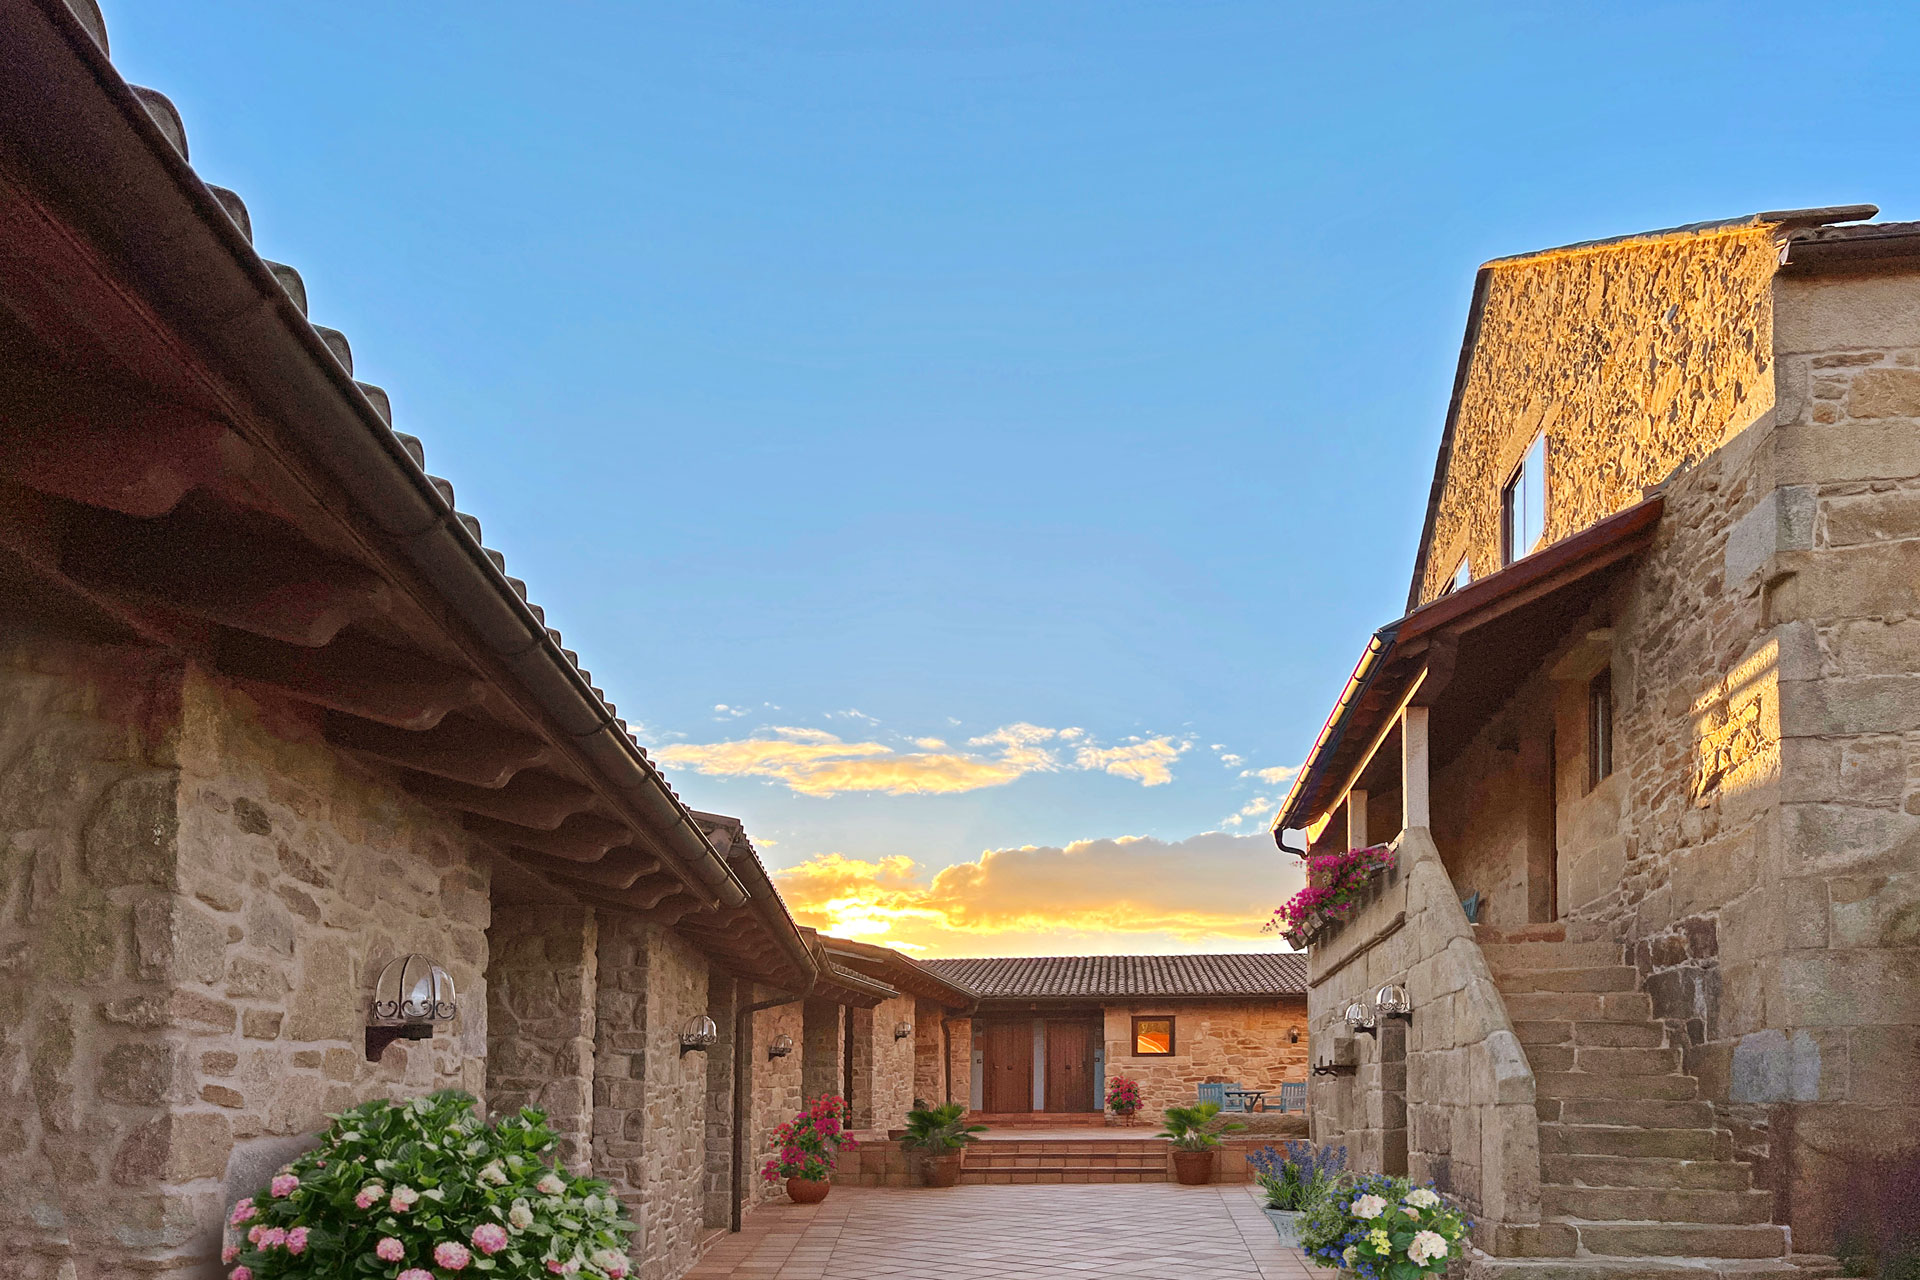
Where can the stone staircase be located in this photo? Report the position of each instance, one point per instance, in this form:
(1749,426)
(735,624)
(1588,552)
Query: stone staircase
(1011,1160)
(1638,1178)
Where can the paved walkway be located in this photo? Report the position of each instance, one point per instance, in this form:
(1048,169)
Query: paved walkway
(1141,1231)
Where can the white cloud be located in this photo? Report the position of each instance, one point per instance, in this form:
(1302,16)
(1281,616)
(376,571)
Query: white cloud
(1274,776)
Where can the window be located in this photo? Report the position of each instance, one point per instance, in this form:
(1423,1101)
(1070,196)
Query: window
(1599,728)
(1462,575)
(1523,504)
(1152,1037)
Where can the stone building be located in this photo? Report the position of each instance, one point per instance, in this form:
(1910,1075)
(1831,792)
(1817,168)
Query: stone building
(272,715)
(1645,748)
(1049,1031)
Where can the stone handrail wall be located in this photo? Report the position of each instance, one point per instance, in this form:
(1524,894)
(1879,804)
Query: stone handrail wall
(1449,1095)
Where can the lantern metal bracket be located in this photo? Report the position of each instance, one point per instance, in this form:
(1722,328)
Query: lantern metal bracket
(378,1038)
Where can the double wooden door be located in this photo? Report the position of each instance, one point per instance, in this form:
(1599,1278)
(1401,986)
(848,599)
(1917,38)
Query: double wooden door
(1007,1053)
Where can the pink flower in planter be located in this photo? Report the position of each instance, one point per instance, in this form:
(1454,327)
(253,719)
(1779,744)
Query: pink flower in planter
(297,1241)
(389,1250)
(415,1273)
(489,1237)
(273,1238)
(246,1273)
(228,1254)
(257,1233)
(242,1212)
(451,1256)
(828,1126)
(284,1185)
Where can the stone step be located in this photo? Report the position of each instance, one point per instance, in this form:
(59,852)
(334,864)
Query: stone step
(1156,1150)
(1639,1113)
(1578,1006)
(1624,1035)
(1611,978)
(1644,1172)
(1636,1204)
(1607,1140)
(1480,1266)
(1682,1239)
(1626,1061)
(1592,1084)
(1052,1176)
(1512,956)
(975,1160)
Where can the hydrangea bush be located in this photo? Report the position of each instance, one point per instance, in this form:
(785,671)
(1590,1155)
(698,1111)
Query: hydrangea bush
(423,1190)
(1383,1228)
(808,1146)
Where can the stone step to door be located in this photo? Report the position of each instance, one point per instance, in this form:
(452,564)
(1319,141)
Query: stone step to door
(1606,1140)
(1681,1239)
(1594,1084)
(1644,1172)
(1611,978)
(1579,1006)
(1049,1150)
(975,1161)
(1513,956)
(1052,1176)
(1634,1204)
(1621,1035)
(1638,1113)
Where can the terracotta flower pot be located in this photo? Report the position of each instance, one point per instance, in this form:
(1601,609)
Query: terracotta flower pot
(803,1191)
(941,1171)
(1193,1168)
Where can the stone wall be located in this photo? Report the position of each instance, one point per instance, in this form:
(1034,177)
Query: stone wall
(884,1067)
(650,1100)
(1241,1042)
(776,1095)
(722,993)
(542,985)
(822,1047)
(1450,1095)
(198,895)
(1637,357)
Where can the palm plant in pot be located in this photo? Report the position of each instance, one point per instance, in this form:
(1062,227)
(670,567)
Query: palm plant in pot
(941,1136)
(1194,1134)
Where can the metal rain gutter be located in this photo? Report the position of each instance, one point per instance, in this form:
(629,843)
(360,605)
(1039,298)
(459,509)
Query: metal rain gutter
(1372,662)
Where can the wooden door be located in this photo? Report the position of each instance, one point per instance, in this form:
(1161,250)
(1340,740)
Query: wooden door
(1070,1066)
(1007,1054)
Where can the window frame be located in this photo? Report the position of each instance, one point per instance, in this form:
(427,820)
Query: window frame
(1173,1037)
(1599,727)
(1462,575)
(1514,513)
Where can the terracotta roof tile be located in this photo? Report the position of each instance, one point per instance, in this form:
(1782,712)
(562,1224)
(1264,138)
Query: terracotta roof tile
(1056,977)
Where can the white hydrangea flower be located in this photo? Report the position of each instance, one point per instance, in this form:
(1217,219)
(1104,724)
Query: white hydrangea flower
(550,1185)
(1369,1207)
(520,1216)
(495,1173)
(1421,1198)
(1426,1247)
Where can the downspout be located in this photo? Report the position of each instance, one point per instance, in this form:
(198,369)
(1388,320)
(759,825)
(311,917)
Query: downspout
(742,1122)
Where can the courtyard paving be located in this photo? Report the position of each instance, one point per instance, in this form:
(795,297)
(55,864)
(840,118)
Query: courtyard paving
(1142,1231)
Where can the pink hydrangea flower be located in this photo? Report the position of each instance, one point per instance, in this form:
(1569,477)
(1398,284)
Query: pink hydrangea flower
(389,1250)
(273,1238)
(244,1273)
(368,1194)
(415,1273)
(297,1241)
(451,1255)
(489,1237)
(256,1233)
(242,1212)
(283,1185)
(403,1199)
(228,1254)
(560,1268)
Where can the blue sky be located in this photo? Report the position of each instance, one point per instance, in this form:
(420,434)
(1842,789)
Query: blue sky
(984,369)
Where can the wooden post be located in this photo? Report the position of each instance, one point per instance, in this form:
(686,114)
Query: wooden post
(1356,819)
(1413,768)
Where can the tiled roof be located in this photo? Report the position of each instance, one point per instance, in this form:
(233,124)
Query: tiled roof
(1058,977)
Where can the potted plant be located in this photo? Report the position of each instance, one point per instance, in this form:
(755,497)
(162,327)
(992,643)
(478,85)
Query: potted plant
(1383,1228)
(807,1147)
(1294,1175)
(941,1135)
(1337,885)
(1123,1098)
(1194,1134)
(426,1188)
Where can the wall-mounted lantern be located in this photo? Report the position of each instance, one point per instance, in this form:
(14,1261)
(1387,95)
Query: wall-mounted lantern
(782,1046)
(1293,1035)
(901,1030)
(1391,1002)
(700,1034)
(1360,1018)
(412,994)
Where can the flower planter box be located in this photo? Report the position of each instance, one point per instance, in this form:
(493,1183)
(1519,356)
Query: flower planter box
(1286,1223)
(806,1191)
